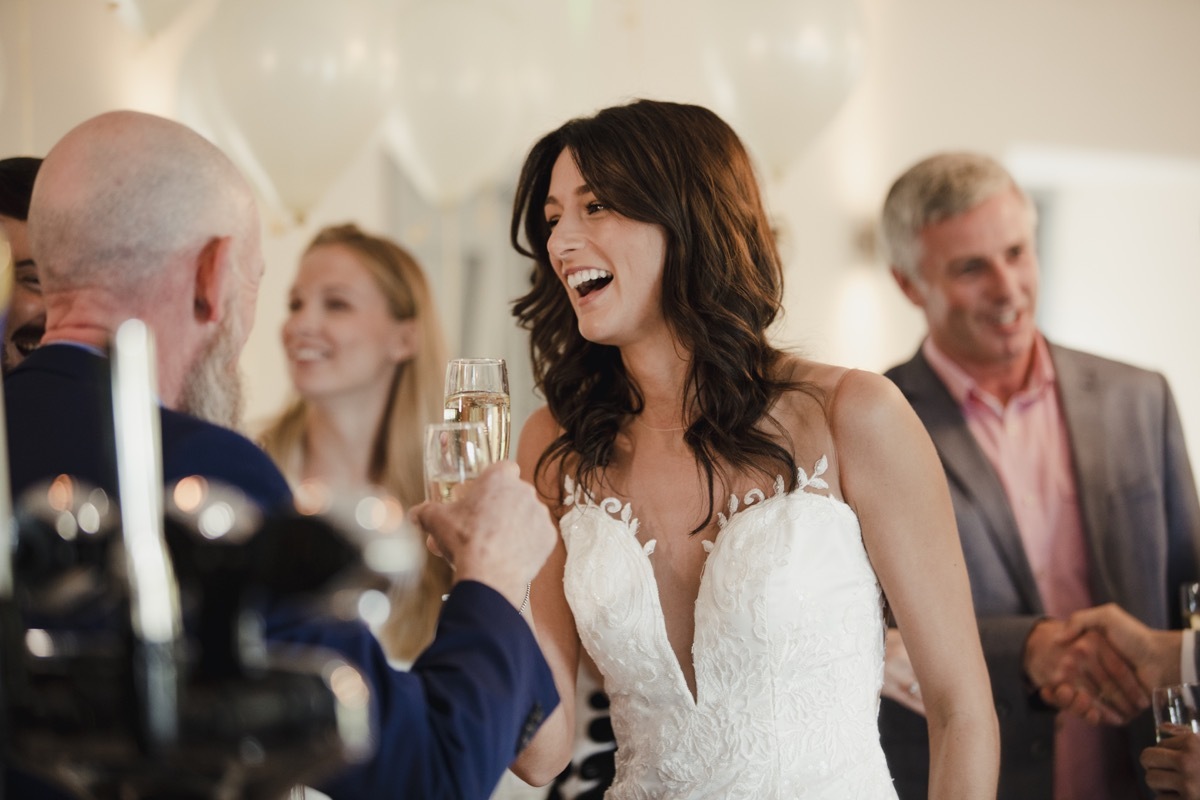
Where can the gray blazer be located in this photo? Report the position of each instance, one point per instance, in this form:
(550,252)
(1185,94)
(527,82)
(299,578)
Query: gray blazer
(1141,519)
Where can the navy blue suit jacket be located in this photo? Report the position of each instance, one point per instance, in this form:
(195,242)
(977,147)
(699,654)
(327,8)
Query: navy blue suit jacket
(447,728)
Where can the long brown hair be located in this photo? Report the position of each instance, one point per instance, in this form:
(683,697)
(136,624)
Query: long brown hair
(416,398)
(683,168)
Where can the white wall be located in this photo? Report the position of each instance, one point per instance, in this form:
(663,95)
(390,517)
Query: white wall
(995,77)
(1107,75)
(1121,260)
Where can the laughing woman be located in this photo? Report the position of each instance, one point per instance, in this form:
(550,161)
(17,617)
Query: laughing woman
(366,357)
(732,515)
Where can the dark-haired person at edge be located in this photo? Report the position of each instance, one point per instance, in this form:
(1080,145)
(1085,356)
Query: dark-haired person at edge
(728,511)
(1070,481)
(26,318)
(137,216)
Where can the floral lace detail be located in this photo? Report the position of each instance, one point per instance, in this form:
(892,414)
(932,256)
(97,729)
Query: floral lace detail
(788,651)
(576,495)
(753,496)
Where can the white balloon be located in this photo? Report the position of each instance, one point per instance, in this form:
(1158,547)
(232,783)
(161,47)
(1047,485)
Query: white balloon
(202,109)
(306,82)
(148,17)
(462,91)
(779,70)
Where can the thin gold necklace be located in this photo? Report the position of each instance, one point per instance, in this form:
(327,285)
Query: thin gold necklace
(638,420)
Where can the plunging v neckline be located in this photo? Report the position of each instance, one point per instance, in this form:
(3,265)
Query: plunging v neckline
(621,514)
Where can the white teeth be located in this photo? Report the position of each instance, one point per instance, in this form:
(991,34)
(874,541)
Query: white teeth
(584,275)
(307,354)
(1007,318)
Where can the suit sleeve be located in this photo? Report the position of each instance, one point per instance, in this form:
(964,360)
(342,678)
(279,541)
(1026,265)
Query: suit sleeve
(192,447)
(1183,509)
(450,726)
(447,728)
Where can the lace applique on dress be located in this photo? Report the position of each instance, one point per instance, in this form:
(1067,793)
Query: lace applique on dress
(788,651)
(803,482)
(577,496)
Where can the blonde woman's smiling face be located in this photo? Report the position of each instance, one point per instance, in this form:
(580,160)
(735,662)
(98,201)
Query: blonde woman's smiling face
(340,336)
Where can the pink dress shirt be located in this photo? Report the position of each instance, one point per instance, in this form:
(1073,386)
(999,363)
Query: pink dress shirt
(1026,442)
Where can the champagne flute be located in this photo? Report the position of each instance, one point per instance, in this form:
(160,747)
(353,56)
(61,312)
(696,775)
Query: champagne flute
(455,452)
(477,391)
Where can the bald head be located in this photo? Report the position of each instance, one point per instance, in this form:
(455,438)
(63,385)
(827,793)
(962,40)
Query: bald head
(126,196)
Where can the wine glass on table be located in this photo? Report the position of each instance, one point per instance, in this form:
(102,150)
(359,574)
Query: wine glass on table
(477,391)
(455,453)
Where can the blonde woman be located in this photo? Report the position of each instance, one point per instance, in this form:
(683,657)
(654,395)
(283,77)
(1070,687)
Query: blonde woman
(366,356)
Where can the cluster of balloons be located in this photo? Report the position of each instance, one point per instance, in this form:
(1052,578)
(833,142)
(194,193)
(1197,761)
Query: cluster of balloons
(294,89)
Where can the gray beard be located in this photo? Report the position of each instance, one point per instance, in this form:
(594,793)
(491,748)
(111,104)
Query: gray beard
(212,389)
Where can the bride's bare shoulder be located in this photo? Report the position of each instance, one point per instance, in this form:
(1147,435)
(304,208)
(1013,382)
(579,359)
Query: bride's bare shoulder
(537,435)
(817,378)
(840,391)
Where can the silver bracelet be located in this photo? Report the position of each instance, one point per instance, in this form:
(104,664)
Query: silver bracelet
(524,603)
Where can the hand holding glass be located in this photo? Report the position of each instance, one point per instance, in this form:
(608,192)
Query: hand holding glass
(477,391)
(1176,710)
(455,452)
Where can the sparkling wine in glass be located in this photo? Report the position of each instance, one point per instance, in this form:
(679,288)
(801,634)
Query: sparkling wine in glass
(477,391)
(1176,710)
(455,452)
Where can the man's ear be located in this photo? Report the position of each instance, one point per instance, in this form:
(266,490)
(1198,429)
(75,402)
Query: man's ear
(909,286)
(214,269)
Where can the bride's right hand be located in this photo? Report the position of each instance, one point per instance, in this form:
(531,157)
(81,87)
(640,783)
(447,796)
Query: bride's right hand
(899,680)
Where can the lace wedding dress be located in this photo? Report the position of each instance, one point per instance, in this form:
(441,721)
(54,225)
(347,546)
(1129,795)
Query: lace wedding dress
(788,651)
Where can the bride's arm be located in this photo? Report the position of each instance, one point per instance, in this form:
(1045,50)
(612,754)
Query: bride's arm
(554,625)
(892,477)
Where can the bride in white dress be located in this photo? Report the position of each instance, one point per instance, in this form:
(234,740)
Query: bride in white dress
(729,512)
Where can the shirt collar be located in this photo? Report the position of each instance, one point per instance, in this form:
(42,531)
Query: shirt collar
(964,388)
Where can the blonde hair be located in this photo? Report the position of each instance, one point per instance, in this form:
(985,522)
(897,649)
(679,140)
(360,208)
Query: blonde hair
(416,398)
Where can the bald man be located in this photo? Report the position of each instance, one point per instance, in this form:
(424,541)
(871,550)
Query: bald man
(137,216)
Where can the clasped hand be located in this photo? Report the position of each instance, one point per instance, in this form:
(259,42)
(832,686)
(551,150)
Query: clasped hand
(1100,664)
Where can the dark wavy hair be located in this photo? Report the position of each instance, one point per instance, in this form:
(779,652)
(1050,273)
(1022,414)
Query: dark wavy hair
(683,168)
(16,185)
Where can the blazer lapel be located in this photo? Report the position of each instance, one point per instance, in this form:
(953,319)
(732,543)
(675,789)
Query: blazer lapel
(968,469)
(1077,386)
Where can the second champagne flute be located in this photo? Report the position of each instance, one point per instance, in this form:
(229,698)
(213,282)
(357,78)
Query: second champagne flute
(455,452)
(477,391)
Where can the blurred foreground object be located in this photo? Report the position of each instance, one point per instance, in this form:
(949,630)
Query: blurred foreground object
(134,663)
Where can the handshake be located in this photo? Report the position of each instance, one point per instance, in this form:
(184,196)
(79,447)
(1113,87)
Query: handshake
(1101,663)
